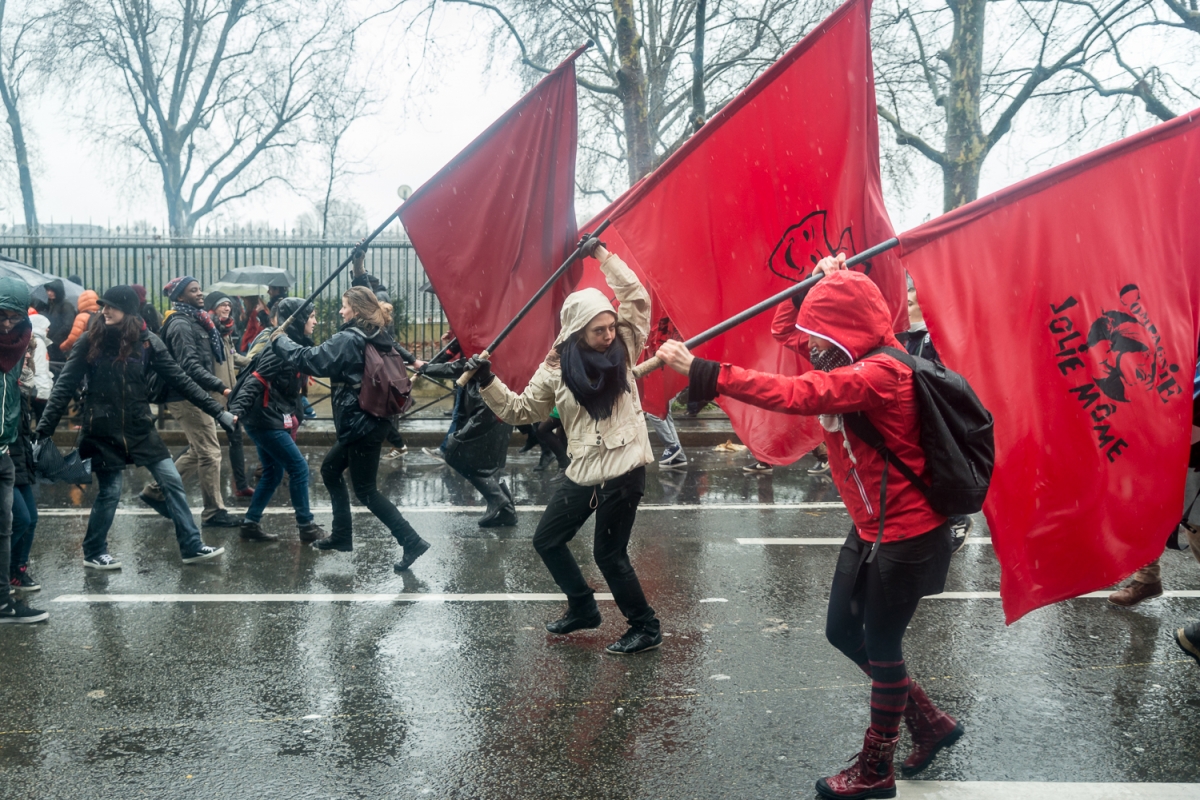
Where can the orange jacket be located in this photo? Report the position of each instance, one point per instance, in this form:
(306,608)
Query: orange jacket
(89,303)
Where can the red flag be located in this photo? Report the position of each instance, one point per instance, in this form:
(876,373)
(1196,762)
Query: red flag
(493,225)
(1071,302)
(784,174)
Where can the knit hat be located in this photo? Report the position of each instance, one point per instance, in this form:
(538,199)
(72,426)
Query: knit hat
(122,298)
(175,288)
(141,292)
(214,299)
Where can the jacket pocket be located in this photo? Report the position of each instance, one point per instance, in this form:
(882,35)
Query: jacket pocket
(621,435)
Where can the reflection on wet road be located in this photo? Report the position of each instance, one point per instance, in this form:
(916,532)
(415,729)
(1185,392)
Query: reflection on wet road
(322,675)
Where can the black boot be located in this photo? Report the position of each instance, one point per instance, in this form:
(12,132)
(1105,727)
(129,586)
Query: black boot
(414,549)
(582,612)
(339,540)
(500,511)
(545,461)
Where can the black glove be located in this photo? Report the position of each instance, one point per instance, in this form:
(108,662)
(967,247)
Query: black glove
(483,370)
(589,243)
(227,421)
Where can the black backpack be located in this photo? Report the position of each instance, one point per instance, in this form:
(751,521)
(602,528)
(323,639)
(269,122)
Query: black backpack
(956,435)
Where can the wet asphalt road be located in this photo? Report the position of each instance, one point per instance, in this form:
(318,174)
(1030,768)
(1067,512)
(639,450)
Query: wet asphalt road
(474,700)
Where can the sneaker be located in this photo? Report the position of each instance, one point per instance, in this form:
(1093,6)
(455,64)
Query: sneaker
(158,505)
(820,468)
(102,561)
(759,468)
(1188,640)
(635,640)
(25,581)
(673,456)
(203,554)
(17,612)
(393,454)
(960,528)
(309,411)
(435,453)
(222,519)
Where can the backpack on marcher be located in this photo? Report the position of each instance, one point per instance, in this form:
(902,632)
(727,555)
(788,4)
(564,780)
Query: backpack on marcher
(386,387)
(956,435)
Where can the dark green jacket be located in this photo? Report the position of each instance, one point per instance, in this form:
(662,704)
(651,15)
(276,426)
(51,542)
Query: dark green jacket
(14,296)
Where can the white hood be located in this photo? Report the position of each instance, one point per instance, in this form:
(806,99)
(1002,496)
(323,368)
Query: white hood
(579,309)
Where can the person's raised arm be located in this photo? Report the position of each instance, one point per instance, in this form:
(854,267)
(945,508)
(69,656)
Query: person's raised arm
(633,310)
(530,406)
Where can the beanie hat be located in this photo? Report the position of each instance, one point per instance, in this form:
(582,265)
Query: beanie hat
(122,298)
(214,299)
(175,288)
(141,292)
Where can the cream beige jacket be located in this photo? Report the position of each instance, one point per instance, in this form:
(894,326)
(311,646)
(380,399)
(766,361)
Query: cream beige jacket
(599,450)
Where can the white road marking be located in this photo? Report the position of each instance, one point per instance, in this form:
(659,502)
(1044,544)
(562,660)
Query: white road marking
(1027,790)
(316,598)
(287,510)
(834,541)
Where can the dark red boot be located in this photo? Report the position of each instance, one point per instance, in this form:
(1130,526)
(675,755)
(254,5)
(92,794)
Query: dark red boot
(869,776)
(931,729)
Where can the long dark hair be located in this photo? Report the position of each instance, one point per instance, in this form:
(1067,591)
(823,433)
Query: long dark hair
(129,329)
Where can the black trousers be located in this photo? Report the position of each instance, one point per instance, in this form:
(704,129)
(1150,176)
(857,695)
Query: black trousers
(237,458)
(870,605)
(361,458)
(615,504)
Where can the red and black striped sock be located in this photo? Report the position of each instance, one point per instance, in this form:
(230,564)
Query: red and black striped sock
(889,694)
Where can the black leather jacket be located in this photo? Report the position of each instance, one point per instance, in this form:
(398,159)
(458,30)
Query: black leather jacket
(341,359)
(191,347)
(477,429)
(117,428)
(269,389)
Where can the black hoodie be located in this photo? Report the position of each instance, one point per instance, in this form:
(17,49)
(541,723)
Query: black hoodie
(61,314)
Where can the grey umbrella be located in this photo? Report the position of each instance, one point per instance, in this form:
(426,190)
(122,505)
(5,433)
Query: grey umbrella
(11,268)
(258,276)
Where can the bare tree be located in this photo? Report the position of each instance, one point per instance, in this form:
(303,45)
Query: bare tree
(649,82)
(960,71)
(219,92)
(334,113)
(19,29)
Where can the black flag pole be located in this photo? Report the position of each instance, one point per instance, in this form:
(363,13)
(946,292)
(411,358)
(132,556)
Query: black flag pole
(302,311)
(651,364)
(558,273)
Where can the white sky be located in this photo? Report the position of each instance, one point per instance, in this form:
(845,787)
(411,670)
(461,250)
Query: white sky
(433,107)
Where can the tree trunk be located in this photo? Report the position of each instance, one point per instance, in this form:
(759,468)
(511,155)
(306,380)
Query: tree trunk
(698,104)
(631,83)
(21,152)
(966,145)
(178,212)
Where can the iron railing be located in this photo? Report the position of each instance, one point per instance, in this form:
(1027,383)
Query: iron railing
(153,261)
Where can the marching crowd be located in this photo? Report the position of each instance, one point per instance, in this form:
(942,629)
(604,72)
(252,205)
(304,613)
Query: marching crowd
(214,361)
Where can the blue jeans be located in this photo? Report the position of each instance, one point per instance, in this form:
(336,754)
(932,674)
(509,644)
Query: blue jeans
(95,541)
(458,394)
(278,452)
(25,519)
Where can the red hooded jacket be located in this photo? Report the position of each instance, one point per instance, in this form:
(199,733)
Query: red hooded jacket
(847,309)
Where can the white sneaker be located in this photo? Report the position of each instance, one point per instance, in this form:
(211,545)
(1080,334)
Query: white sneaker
(434,452)
(393,454)
(102,561)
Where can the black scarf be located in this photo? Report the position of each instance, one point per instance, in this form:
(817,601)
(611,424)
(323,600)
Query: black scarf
(595,379)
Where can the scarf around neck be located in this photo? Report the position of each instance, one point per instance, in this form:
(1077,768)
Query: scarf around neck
(596,379)
(14,344)
(201,316)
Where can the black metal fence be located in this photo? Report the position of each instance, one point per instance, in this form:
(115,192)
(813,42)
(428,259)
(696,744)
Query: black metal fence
(153,261)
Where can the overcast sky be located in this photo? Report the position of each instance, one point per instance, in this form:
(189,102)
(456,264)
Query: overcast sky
(432,108)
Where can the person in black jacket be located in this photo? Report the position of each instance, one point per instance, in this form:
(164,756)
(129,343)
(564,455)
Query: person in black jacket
(115,356)
(360,436)
(61,314)
(195,342)
(24,507)
(267,401)
(477,446)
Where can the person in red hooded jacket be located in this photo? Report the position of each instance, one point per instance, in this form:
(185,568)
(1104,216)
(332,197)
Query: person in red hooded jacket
(873,598)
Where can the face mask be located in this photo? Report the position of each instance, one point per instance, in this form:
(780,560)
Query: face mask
(830,359)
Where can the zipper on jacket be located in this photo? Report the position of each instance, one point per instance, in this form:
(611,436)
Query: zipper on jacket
(862,491)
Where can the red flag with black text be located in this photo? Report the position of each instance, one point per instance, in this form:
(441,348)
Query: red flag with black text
(785,173)
(493,225)
(1071,302)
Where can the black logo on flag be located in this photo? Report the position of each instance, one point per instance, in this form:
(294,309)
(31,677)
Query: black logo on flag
(807,242)
(1120,352)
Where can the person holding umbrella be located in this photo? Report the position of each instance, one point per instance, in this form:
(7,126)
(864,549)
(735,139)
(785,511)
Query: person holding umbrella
(116,355)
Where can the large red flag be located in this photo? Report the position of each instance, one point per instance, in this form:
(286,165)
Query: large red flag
(1071,302)
(786,173)
(496,221)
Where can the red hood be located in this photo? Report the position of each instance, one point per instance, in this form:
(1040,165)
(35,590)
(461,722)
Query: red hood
(848,309)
